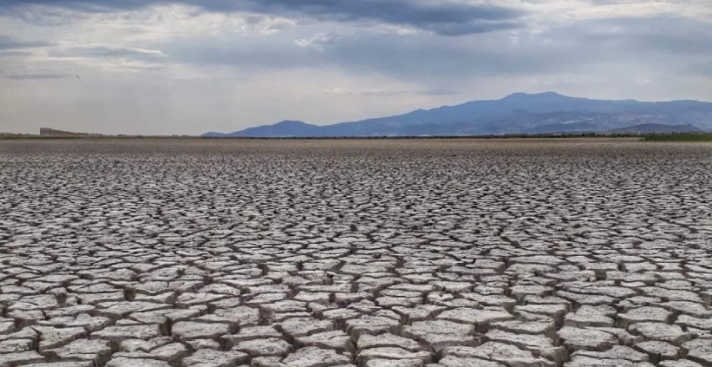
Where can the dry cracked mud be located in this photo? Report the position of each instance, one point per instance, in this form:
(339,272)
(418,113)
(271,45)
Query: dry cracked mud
(373,253)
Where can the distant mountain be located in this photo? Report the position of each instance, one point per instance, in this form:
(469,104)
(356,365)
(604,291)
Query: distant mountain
(285,128)
(518,113)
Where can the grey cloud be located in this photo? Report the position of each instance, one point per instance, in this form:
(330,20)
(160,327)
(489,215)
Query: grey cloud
(387,92)
(701,68)
(587,47)
(439,92)
(667,45)
(411,56)
(11,53)
(7,43)
(406,56)
(441,17)
(270,52)
(663,34)
(34,76)
(109,52)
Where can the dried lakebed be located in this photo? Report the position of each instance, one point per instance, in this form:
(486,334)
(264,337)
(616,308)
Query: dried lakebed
(456,253)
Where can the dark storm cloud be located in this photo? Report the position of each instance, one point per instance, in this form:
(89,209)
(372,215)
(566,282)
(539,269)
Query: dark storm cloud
(444,18)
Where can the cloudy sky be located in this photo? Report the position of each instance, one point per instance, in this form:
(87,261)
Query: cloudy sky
(190,66)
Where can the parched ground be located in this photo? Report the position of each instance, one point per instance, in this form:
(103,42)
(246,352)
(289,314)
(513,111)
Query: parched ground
(376,253)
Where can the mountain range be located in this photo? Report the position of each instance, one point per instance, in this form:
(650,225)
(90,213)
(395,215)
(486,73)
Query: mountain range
(518,113)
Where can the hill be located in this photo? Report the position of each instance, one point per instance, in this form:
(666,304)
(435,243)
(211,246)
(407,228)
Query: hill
(518,113)
(281,129)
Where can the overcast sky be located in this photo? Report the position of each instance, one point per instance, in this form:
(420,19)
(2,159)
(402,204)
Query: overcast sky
(191,66)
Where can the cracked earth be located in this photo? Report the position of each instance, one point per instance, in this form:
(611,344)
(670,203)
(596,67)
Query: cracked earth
(355,253)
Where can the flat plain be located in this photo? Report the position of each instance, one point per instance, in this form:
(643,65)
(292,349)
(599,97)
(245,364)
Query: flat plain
(375,253)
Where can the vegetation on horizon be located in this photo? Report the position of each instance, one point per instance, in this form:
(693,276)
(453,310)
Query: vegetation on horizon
(678,137)
(11,136)
(421,137)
